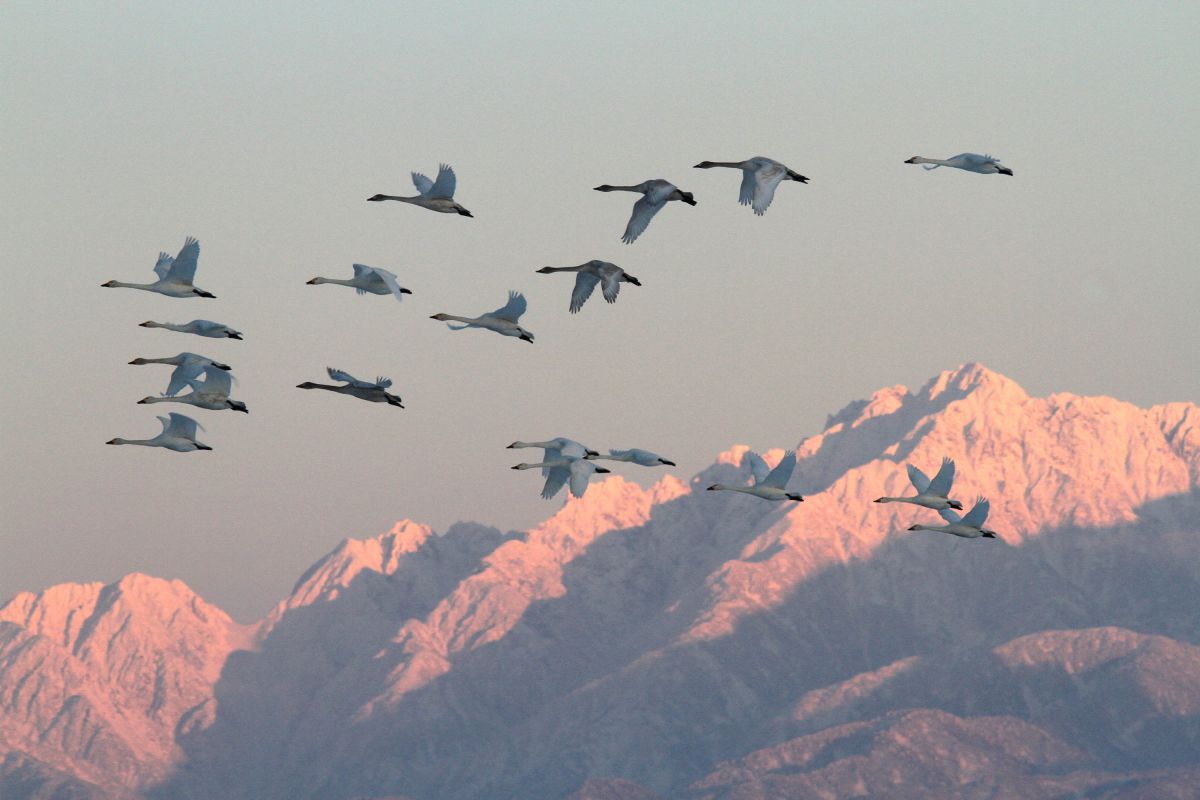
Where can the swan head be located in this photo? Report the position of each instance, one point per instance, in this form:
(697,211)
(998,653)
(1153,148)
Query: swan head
(704,165)
(882,500)
(914,527)
(147,401)
(957,506)
(546,270)
(715,487)
(687,197)
(796,176)
(525,335)
(914,160)
(668,463)
(795,497)
(441,317)
(314,281)
(1004,171)
(238,405)
(630,279)
(139,362)
(115,441)
(148,324)
(234,335)
(392,400)
(377,198)
(604,187)
(109,284)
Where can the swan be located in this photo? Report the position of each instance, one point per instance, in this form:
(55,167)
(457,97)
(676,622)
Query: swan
(562,469)
(635,456)
(175,275)
(187,367)
(760,176)
(656,195)
(768,483)
(971,162)
(212,393)
(558,447)
(503,320)
(200,327)
(588,275)
(933,494)
(363,390)
(178,434)
(435,195)
(969,526)
(369,279)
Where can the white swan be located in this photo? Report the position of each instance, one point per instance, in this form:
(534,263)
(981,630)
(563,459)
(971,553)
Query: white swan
(968,527)
(435,195)
(933,494)
(178,434)
(369,279)
(760,176)
(200,327)
(656,194)
(212,393)
(363,390)
(634,456)
(503,320)
(588,275)
(562,469)
(187,367)
(558,447)
(768,483)
(971,162)
(175,275)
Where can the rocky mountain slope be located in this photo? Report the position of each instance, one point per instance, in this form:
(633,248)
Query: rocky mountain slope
(676,643)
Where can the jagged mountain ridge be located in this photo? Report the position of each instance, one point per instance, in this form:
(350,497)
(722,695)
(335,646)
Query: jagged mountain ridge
(486,665)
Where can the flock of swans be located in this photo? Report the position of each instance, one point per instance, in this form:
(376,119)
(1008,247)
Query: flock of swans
(564,462)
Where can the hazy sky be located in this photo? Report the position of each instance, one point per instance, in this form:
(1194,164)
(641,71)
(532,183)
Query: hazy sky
(262,132)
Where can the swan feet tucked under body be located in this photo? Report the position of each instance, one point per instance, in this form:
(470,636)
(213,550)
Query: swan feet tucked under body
(608,275)
(352,386)
(175,275)
(502,321)
(768,483)
(971,162)
(435,195)
(760,177)
(655,194)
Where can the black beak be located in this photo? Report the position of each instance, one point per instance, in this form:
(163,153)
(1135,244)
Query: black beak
(633,280)
(668,463)
(1005,171)
(404,291)
(313,282)
(687,198)
(796,176)
(592,453)
(202,446)
(465,213)
(602,469)
(225,367)
(237,336)
(243,409)
(527,339)
(143,324)
(206,294)
(912,160)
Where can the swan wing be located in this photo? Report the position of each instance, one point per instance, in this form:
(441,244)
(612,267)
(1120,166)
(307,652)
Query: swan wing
(978,513)
(216,381)
(422,183)
(163,266)
(445,184)
(611,285)
(941,483)
(389,280)
(551,454)
(782,472)
(183,268)
(919,480)
(766,178)
(758,467)
(513,309)
(346,377)
(584,284)
(188,370)
(581,471)
(643,211)
(382,382)
(556,478)
(175,424)
(746,193)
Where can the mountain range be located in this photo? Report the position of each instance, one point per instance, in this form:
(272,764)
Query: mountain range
(678,644)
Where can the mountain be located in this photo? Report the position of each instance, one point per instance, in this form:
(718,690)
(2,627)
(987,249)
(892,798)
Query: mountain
(670,642)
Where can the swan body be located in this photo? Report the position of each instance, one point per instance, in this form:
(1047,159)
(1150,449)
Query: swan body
(212,393)
(178,434)
(760,177)
(371,280)
(200,327)
(502,321)
(558,447)
(435,195)
(933,494)
(655,194)
(969,526)
(768,483)
(634,456)
(609,276)
(188,366)
(364,390)
(175,275)
(564,469)
(971,162)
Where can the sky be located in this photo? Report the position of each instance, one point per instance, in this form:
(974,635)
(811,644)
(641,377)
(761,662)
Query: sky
(262,130)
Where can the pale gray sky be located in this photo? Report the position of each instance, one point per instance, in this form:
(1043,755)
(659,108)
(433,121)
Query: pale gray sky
(262,132)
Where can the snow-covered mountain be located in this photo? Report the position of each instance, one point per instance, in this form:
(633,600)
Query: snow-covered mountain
(677,643)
